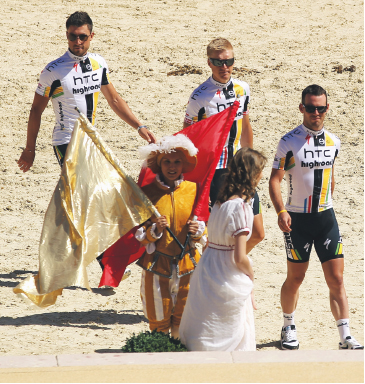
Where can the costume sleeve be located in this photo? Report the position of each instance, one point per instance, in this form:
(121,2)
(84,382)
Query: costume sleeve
(201,235)
(284,158)
(151,236)
(201,231)
(238,221)
(146,234)
(140,235)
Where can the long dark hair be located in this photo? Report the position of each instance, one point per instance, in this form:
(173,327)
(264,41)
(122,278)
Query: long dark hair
(243,171)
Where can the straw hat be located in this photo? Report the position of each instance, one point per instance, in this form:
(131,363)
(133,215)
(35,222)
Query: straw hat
(153,153)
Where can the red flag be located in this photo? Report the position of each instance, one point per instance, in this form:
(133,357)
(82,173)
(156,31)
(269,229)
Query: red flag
(116,258)
(209,136)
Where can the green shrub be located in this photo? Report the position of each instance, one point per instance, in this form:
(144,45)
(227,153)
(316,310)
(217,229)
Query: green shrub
(153,342)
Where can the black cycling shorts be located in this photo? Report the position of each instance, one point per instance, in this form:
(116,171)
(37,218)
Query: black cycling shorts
(60,151)
(320,229)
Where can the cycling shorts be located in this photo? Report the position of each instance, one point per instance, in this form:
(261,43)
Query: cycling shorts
(320,229)
(60,152)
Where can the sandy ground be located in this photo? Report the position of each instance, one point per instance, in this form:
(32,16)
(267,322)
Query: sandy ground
(279,50)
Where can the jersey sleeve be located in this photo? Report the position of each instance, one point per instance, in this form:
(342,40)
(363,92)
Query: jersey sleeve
(247,98)
(102,63)
(338,145)
(284,158)
(46,80)
(105,79)
(238,221)
(194,111)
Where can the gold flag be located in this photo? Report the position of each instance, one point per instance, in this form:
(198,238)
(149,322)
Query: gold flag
(94,204)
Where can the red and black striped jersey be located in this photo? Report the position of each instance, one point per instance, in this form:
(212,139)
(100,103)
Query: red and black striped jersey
(212,97)
(307,157)
(72,81)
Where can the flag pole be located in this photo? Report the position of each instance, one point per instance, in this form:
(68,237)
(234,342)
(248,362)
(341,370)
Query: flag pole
(116,165)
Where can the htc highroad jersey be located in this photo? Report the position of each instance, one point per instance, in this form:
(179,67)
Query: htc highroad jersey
(307,157)
(212,97)
(72,81)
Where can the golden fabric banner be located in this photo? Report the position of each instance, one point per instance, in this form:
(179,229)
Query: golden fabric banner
(94,204)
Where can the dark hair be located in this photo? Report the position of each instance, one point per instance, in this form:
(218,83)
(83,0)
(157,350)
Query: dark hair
(79,19)
(243,171)
(315,90)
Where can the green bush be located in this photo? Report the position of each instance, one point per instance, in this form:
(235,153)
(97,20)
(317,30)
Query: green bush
(153,342)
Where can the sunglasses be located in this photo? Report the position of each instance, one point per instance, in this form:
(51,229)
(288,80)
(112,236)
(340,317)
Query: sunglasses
(73,37)
(220,63)
(312,108)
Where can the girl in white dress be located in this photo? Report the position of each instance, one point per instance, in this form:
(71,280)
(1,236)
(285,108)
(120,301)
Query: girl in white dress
(218,314)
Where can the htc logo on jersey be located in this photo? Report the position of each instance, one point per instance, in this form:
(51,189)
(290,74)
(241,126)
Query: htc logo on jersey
(326,153)
(54,64)
(290,135)
(85,79)
(319,153)
(198,92)
(222,107)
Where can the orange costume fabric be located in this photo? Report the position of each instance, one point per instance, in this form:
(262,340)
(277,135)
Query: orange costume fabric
(165,279)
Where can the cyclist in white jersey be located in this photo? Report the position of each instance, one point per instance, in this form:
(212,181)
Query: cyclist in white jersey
(213,96)
(306,156)
(74,79)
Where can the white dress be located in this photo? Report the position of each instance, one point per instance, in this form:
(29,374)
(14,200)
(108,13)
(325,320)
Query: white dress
(218,314)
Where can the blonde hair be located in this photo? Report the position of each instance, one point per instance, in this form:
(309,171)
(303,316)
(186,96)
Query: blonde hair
(219,44)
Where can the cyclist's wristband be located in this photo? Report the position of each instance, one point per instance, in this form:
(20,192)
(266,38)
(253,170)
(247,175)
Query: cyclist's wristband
(283,210)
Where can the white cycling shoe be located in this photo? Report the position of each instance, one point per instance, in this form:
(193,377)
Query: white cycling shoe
(350,343)
(289,338)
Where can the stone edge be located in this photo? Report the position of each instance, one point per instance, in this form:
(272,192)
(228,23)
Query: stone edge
(318,356)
